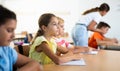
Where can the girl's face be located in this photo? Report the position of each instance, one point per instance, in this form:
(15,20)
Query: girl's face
(61,29)
(52,28)
(7,32)
(103,13)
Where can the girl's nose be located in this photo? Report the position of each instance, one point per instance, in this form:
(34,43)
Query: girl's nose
(57,26)
(13,35)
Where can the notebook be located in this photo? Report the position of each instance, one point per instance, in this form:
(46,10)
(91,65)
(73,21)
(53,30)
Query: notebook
(93,52)
(80,62)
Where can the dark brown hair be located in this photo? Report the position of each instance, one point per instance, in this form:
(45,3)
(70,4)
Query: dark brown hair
(44,20)
(102,24)
(5,15)
(103,7)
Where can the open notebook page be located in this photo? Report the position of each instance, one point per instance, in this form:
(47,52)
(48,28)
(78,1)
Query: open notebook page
(76,62)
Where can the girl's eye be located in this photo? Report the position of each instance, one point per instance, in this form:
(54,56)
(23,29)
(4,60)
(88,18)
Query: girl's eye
(9,30)
(55,24)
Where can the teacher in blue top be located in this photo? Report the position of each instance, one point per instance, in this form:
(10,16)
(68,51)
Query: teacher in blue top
(89,19)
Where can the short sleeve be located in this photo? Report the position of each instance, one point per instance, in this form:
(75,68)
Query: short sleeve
(98,36)
(14,55)
(68,45)
(39,40)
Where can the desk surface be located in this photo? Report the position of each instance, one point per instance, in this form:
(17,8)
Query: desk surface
(104,61)
(111,47)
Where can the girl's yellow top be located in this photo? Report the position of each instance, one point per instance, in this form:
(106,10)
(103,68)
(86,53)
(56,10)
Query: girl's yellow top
(41,56)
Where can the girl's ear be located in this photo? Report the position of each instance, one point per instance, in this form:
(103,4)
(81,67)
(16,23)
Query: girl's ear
(43,28)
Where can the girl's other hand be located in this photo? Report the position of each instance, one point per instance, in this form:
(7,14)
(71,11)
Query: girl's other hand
(78,56)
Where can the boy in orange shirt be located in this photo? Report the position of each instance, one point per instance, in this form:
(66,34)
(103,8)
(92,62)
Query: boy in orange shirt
(99,38)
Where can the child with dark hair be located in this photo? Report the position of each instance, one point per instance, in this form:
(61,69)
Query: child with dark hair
(44,48)
(99,38)
(8,56)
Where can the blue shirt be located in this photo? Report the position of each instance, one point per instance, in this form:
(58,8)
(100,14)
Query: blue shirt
(8,57)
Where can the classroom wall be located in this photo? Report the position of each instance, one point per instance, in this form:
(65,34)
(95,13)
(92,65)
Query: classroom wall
(28,12)
(112,17)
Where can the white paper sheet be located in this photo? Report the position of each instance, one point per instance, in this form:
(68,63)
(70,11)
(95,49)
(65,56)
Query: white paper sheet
(77,62)
(91,52)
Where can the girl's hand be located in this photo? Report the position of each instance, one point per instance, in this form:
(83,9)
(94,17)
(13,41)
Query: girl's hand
(78,56)
(69,53)
(92,49)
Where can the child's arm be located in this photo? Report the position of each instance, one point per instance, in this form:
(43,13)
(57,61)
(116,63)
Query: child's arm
(62,50)
(111,39)
(91,27)
(57,59)
(26,64)
(78,49)
(106,43)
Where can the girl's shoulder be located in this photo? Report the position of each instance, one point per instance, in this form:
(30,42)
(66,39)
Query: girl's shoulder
(41,38)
